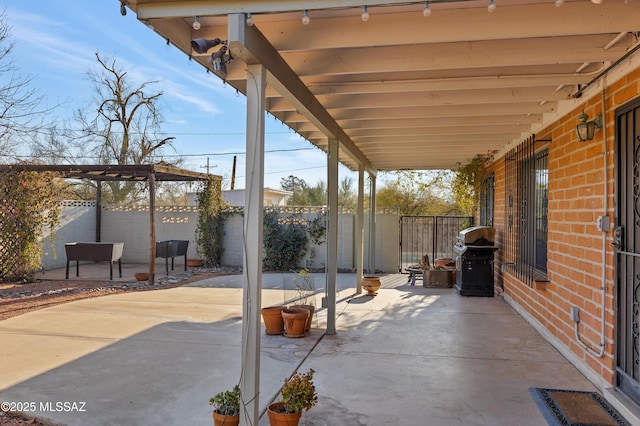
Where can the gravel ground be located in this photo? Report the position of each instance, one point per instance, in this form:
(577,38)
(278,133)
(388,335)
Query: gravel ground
(17,299)
(18,419)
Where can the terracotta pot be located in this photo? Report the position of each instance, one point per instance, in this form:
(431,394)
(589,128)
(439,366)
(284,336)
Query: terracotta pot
(311,310)
(371,284)
(295,321)
(282,419)
(272,317)
(194,262)
(223,420)
(142,276)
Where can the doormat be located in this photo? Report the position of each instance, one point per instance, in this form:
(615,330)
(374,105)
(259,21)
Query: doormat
(576,408)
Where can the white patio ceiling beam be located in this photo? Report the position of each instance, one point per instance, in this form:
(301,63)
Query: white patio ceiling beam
(471,57)
(573,18)
(431,122)
(444,84)
(249,45)
(363,135)
(432,149)
(427,139)
(428,123)
(161,9)
(468,56)
(393,100)
(523,108)
(436,84)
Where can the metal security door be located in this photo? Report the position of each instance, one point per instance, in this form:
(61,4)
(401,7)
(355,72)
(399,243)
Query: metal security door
(627,249)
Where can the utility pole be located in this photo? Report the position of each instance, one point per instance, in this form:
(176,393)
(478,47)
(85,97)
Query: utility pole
(233,172)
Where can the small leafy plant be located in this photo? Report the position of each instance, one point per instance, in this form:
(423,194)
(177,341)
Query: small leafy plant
(227,403)
(305,286)
(298,392)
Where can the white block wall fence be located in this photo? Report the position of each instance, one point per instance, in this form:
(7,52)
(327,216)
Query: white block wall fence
(130,225)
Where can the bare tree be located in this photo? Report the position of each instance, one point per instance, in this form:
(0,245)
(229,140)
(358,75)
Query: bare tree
(21,118)
(126,126)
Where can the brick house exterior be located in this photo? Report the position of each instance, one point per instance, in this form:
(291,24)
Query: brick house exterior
(575,266)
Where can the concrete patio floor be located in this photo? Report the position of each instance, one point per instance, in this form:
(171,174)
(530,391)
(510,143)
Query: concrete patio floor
(409,356)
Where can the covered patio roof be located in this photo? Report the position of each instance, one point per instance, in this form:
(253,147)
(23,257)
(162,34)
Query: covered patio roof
(387,86)
(402,90)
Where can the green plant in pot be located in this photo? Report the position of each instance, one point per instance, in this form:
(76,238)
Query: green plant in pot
(298,393)
(226,407)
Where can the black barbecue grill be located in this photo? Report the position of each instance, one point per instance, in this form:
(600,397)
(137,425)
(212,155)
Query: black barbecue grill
(474,261)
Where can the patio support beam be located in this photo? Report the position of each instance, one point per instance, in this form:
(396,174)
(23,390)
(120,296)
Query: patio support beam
(252,246)
(98,210)
(251,46)
(372,225)
(152,226)
(332,234)
(359,237)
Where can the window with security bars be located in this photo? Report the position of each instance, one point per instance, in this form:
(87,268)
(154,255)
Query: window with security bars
(486,201)
(526,207)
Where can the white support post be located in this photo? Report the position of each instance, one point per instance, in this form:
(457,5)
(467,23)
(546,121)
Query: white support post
(372,225)
(152,228)
(359,237)
(332,234)
(252,245)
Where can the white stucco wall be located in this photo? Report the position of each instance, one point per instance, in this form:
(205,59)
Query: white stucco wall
(130,225)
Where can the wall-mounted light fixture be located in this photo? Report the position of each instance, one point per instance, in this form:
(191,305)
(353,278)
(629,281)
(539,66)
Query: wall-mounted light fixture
(219,59)
(249,19)
(196,23)
(305,17)
(201,45)
(585,130)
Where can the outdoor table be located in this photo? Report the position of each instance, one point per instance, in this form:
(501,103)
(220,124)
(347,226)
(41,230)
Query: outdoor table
(94,252)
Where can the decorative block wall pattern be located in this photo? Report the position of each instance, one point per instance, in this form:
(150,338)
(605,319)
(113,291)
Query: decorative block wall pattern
(131,225)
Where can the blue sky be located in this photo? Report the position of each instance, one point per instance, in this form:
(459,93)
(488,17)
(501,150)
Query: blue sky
(56,42)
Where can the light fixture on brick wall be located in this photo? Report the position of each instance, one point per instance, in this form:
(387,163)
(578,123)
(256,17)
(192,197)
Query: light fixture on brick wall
(585,130)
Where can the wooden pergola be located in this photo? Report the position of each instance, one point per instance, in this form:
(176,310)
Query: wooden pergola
(151,173)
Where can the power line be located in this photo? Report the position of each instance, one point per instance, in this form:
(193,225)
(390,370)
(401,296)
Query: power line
(237,153)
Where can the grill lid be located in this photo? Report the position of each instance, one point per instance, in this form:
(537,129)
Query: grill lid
(477,235)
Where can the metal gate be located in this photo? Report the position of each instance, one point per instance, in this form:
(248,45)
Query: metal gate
(432,235)
(626,241)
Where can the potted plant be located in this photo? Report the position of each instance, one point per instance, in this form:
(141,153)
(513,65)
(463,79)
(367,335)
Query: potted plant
(306,290)
(298,393)
(226,407)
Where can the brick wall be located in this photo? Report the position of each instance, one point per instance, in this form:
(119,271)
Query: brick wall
(575,246)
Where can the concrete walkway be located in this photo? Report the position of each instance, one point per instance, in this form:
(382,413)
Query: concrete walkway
(409,356)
